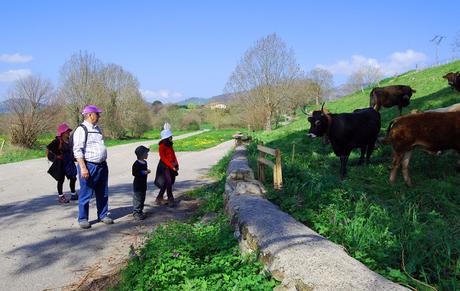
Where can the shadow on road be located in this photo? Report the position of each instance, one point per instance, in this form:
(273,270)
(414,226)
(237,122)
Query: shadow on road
(70,246)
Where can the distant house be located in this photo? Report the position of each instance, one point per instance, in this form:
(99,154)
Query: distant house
(216,105)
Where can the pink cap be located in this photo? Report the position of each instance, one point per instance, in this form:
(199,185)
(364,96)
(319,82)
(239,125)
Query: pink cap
(91,109)
(63,128)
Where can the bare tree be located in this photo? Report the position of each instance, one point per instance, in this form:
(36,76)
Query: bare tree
(303,93)
(322,84)
(87,80)
(134,114)
(121,94)
(27,100)
(364,77)
(81,83)
(262,80)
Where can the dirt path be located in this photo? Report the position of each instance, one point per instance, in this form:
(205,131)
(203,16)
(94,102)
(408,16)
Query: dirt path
(41,245)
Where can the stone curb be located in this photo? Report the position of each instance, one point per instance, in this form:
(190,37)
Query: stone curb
(294,254)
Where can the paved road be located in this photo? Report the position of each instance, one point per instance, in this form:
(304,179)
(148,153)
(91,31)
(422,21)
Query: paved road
(41,244)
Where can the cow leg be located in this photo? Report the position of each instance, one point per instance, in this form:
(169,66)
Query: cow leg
(343,166)
(361,158)
(400,110)
(405,168)
(394,167)
(370,149)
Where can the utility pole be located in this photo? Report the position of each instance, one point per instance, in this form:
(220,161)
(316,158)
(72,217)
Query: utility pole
(437,40)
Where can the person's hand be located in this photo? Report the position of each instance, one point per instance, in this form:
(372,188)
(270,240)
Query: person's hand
(175,169)
(60,157)
(84,173)
(148,171)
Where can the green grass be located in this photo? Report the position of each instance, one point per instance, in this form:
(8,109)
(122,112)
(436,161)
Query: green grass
(409,235)
(11,153)
(196,256)
(148,135)
(201,141)
(432,92)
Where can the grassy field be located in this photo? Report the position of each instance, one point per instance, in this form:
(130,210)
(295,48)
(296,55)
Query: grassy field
(11,153)
(196,256)
(409,235)
(201,141)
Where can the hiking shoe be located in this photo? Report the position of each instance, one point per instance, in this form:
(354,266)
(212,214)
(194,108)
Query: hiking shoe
(74,196)
(84,224)
(107,220)
(159,201)
(171,203)
(63,199)
(139,216)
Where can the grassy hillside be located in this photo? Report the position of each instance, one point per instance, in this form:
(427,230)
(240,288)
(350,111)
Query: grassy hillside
(409,235)
(432,92)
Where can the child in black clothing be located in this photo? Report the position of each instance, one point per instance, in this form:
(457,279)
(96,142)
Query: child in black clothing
(140,172)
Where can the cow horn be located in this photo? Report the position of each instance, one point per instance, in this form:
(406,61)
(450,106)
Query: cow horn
(304,111)
(322,106)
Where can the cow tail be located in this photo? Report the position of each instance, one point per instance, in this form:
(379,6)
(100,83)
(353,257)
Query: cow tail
(387,135)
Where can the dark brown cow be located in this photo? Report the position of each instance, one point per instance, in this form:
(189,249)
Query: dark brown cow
(453,79)
(397,95)
(432,131)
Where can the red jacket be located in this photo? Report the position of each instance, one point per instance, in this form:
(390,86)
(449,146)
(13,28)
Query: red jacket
(168,156)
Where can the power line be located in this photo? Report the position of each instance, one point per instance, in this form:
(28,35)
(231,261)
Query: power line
(437,40)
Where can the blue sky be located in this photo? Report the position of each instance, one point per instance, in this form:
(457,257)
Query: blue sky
(180,49)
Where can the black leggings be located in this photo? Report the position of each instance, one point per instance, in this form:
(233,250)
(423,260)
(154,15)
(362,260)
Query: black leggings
(167,185)
(60,183)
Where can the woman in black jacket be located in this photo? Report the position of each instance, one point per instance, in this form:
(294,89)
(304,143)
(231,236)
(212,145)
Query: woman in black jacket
(60,152)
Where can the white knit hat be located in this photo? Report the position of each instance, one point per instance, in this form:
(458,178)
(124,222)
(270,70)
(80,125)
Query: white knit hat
(166,132)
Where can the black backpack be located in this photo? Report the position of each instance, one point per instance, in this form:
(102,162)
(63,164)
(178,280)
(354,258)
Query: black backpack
(86,134)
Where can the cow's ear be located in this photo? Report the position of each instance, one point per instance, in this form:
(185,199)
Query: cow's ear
(310,119)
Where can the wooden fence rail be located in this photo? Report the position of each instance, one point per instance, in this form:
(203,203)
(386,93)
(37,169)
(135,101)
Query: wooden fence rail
(262,162)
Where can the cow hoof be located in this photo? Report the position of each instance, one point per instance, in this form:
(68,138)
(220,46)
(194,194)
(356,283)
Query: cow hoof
(410,184)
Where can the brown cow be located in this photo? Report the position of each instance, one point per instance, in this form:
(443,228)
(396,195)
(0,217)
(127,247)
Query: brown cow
(432,131)
(397,95)
(453,79)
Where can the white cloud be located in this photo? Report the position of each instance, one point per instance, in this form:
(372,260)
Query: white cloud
(397,62)
(15,58)
(163,95)
(13,75)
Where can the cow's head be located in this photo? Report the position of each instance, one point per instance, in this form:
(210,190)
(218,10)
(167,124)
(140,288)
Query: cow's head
(318,123)
(451,77)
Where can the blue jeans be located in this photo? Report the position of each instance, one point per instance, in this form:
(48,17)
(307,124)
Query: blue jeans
(97,183)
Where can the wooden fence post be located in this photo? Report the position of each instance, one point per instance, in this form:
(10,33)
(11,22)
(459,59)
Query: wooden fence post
(262,162)
(277,172)
(261,166)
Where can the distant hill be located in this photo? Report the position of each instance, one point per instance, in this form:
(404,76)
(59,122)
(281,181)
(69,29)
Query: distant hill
(194,100)
(223,98)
